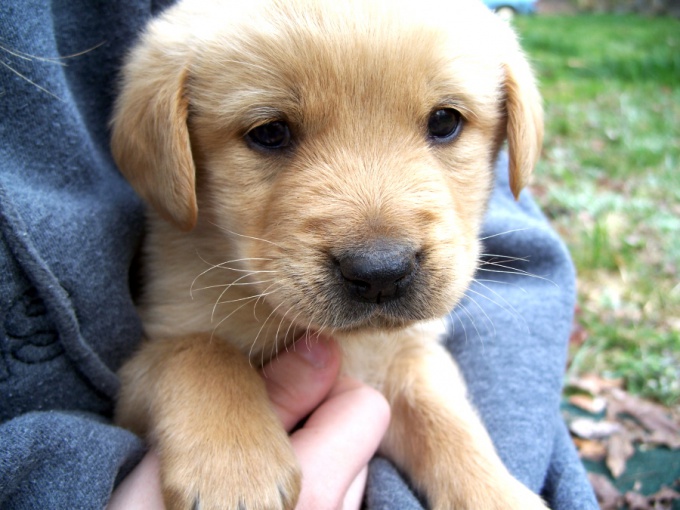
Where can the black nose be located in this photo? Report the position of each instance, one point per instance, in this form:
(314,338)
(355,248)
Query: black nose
(378,273)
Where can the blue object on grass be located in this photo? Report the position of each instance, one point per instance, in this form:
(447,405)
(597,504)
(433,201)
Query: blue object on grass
(511,7)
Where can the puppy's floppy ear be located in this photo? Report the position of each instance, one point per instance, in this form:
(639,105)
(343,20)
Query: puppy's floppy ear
(524,127)
(150,138)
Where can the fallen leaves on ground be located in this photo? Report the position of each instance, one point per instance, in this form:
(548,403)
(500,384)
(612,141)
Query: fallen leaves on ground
(620,422)
(610,498)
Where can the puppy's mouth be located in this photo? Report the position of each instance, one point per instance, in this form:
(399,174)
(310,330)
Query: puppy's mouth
(384,286)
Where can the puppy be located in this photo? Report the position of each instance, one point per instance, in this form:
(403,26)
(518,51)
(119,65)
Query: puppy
(315,166)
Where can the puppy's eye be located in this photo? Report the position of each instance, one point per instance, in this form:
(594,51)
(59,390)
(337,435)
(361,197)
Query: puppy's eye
(273,135)
(444,124)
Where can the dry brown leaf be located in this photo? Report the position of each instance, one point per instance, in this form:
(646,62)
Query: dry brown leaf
(653,417)
(663,500)
(590,404)
(607,495)
(619,450)
(671,441)
(578,335)
(637,501)
(596,385)
(591,450)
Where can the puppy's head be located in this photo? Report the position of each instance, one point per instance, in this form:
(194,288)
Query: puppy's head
(346,148)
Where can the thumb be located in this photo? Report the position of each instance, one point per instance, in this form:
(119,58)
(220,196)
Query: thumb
(298,380)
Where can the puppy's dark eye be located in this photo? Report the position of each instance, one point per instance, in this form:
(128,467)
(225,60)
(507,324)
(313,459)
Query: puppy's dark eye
(444,124)
(273,135)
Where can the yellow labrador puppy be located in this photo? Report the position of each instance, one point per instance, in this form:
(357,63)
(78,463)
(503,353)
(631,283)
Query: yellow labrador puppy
(315,166)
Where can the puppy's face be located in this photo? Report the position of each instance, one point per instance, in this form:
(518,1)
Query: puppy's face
(344,150)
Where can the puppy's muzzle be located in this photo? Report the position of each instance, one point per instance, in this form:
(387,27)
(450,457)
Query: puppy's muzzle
(379,272)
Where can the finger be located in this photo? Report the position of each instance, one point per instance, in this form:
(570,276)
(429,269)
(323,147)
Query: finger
(298,380)
(337,442)
(355,493)
(141,489)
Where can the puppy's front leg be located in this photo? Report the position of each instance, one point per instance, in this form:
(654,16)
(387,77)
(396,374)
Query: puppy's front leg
(437,438)
(207,413)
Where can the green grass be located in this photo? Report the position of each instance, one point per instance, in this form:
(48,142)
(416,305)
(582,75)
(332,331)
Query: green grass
(610,182)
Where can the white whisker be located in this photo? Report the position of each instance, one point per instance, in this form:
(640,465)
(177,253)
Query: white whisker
(219,301)
(294,321)
(501,282)
(481,309)
(235,283)
(248,237)
(222,265)
(278,330)
(461,323)
(474,325)
(503,258)
(505,233)
(513,270)
(321,328)
(227,317)
(248,298)
(257,337)
(26,78)
(51,60)
(262,295)
(509,309)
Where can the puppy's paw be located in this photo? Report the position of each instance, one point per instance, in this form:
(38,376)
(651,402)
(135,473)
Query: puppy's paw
(506,494)
(212,477)
(513,495)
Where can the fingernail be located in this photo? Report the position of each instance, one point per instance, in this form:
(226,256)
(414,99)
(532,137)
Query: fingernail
(315,350)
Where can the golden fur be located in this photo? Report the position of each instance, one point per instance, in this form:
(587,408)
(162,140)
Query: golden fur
(242,241)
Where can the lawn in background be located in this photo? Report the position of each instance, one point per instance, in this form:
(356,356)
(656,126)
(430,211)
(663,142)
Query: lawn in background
(609,180)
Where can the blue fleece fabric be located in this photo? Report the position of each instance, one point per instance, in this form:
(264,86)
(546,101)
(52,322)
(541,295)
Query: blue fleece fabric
(70,227)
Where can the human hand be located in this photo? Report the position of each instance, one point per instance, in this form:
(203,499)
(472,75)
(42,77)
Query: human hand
(346,425)
(342,433)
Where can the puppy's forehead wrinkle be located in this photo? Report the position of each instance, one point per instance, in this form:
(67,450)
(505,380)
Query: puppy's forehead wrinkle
(311,65)
(341,89)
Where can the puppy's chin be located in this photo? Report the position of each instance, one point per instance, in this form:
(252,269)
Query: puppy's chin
(363,316)
(379,319)
(386,316)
